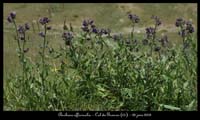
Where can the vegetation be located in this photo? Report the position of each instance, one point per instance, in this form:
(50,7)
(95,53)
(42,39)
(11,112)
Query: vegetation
(94,68)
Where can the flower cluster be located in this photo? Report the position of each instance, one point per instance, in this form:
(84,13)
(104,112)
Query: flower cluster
(44,20)
(67,36)
(179,22)
(22,29)
(11,17)
(150,32)
(134,18)
(27,26)
(87,25)
(100,32)
(189,27)
(186,27)
(157,20)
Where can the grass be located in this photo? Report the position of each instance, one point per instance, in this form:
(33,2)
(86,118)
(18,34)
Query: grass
(92,79)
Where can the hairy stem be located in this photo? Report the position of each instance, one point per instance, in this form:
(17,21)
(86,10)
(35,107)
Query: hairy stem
(43,56)
(18,42)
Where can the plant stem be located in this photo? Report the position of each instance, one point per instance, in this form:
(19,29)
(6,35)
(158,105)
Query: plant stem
(132,31)
(132,40)
(153,40)
(17,36)
(154,35)
(43,56)
(21,52)
(23,61)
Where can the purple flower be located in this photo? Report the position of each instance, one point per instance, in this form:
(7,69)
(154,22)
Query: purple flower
(41,21)
(9,19)
(186,27)
(21,29)
(150,32)
(27,26)
(44,20)
(100,31)
(67,35)
(88,25)
(130,16)
(179,22)
(85,23)
(13,15)
(47,20)
(90,22)
(42,34)
(157,20)
(134,18)
(95,30)
(189,27)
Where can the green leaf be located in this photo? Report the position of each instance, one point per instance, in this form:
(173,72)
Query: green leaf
(165,77)
(170,107)
(185,85)
(126,92)
(191,105)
